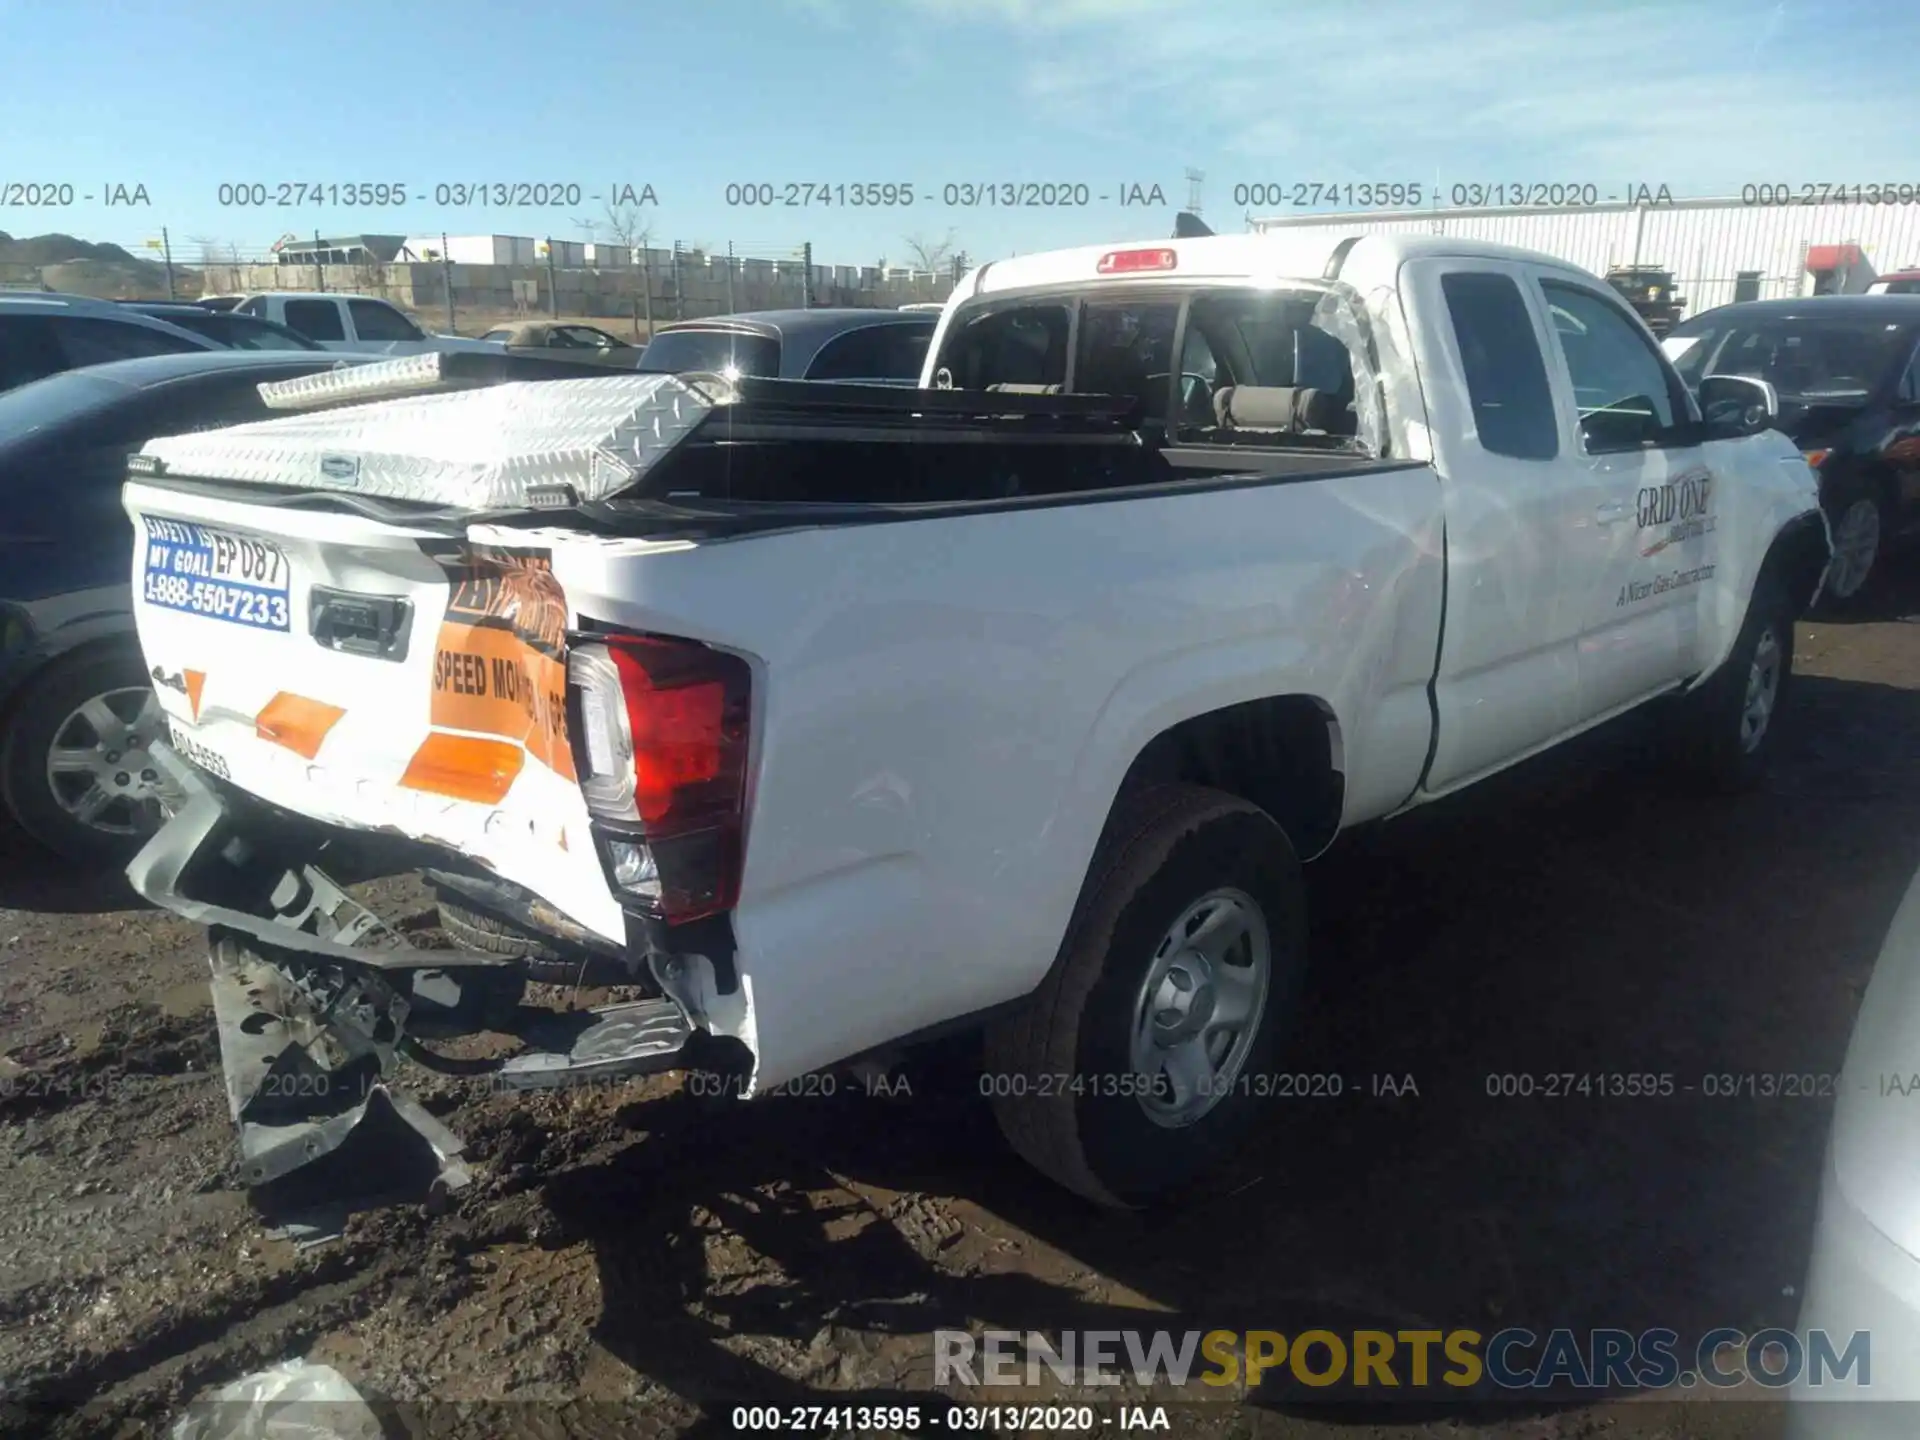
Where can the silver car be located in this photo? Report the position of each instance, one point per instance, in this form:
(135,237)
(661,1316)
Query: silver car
(1864,1273)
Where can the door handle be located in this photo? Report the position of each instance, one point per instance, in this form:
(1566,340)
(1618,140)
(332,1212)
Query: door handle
(1611,513)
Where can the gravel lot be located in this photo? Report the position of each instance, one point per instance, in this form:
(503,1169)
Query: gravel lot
(634,1261)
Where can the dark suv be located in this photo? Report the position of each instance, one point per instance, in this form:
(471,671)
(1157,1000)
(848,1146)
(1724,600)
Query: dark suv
(42,334)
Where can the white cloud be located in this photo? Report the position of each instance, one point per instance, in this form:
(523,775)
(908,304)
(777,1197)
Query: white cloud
(1699,94)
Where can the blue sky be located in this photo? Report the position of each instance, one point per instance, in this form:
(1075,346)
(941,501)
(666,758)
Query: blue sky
(689,97)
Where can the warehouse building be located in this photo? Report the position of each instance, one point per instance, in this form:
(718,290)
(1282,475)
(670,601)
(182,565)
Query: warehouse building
(1718,251)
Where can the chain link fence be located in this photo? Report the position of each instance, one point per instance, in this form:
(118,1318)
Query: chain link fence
(468,284)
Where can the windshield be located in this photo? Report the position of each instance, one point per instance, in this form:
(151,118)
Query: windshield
(1804,358)
(727,352)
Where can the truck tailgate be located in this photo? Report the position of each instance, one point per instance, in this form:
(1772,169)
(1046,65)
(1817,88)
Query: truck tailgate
(370,676)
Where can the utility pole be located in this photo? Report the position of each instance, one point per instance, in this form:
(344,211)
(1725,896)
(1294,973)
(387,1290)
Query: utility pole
(553,288)
(730,305)
(646,284)
(319,265)
(806,276)
(166,253)
(446,269)
(679,294)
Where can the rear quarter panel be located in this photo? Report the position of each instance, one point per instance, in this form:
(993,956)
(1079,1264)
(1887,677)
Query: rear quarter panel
(946,708)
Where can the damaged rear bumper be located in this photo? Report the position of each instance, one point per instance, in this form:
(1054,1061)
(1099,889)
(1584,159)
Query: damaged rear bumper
(317,1000)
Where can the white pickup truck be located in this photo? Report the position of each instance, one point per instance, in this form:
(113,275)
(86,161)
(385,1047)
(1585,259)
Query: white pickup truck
(359,323)
(837,717)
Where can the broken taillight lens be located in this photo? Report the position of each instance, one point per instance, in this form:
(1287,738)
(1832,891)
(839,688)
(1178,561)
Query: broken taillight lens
(661,751)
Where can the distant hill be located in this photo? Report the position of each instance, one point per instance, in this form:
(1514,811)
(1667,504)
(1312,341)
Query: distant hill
(54,248)
(80,267)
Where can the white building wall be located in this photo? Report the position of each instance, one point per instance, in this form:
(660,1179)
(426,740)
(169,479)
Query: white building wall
(476,249)
(1705,243)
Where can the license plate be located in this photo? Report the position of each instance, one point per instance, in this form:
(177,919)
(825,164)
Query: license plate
(215,573)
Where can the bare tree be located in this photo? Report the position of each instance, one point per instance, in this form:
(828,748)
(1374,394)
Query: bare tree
(934,255)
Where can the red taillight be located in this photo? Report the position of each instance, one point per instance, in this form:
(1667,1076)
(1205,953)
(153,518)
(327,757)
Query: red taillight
(661,749)
(678,734)
(1133,262)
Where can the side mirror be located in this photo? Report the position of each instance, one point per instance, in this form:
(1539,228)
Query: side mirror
(1732,405)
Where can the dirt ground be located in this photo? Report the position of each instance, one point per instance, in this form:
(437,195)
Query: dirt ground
(632,1261)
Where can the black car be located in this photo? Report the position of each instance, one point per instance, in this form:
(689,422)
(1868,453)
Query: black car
(42,334)
(1847,371)
(77,708)
(223,327)
(853,346)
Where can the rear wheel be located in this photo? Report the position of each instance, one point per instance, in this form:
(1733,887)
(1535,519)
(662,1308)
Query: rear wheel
(76,766)
(1137,1065)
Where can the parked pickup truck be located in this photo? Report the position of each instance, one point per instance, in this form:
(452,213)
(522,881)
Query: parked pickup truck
(838,717)
(358,323)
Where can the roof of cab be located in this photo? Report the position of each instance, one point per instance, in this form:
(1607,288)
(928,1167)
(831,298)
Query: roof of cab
(1255,257)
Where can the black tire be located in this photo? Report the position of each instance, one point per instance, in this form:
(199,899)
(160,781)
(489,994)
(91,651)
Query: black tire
(56,693)
(1711,745)
(539,960)
(1862,505)
(1059,1071)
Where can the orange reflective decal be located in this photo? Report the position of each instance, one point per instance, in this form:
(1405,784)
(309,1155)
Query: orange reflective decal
(296,722)
(465,767)
(196,682)
(499,665)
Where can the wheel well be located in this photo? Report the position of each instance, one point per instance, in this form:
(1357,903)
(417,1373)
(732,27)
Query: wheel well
(1282,753)
(1798,558)
(60,660)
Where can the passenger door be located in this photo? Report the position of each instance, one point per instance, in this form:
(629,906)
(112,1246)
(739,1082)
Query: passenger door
(1507,674)
(1649,484)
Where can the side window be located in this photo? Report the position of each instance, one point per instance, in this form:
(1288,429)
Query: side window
(875,352)
(374,321)
(855,355)
(1622,391)
(1506,376)
(1025,346)
(316,319)
(86,341)
(256,305)
(27,350)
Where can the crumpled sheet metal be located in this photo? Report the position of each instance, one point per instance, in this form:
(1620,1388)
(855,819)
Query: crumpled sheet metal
(479,449)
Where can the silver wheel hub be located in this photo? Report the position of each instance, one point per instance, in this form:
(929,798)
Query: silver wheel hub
(1198,1011)
(1763,690)
(101,769)
(1856,544)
